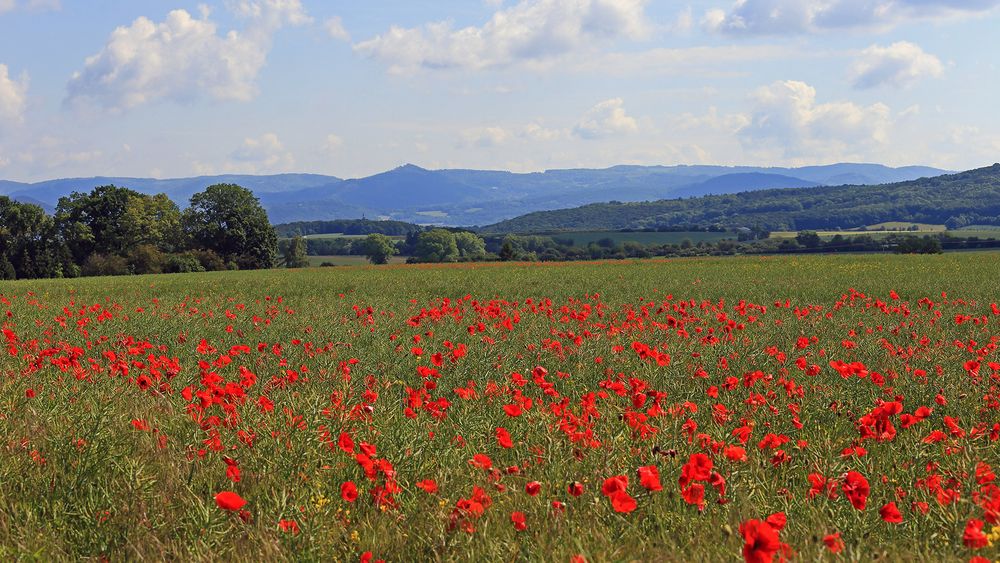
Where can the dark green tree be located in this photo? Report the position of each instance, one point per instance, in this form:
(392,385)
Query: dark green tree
(470,246)
(507,251)
(808,239)
(30,246)
(436,245)
(295,253)
(379,248)
(94,222)
(155,221)
(229,220)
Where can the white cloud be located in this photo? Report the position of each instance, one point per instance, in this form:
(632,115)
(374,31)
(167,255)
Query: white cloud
(271,14)
(333,143)
(43,5)
(717,60)
(532,31)
(486,137)
(770,17)
(13,98)
(787,124)
(30,5)
(182,58)
(494,136)
(606,119)
(335,29)
(263,154)
(50,154)
(900,64)
(710,121)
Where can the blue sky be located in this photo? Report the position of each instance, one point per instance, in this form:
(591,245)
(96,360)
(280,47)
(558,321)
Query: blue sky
(348,88)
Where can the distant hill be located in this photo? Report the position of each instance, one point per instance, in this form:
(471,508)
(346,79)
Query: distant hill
(456,197)
(729,183)
(966,198)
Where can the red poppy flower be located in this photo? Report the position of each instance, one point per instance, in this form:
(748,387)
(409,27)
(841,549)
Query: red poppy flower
(890,513)
(428,485)
(533,488)
(519,521)
(694,494)
(349,491)
(623,502)
(575,488)
(777,520)
(856,489)
(833,542)
(735,453)
(760,541)
(228,500)
(503,438)
(614,484)
(345,443)
(974,538)
(481,461)
(649,478)
(289,526)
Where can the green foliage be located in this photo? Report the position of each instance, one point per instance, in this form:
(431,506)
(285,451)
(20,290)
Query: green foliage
(295,255)
(230,221)
(114,231)
(470,247)
(347,227)
(104,265)
(379,248)
(30,246)
(808,239)
(145,259)
(95,222)
(918,245)
(507,251)
(182,264)
(436,245)
(154,221)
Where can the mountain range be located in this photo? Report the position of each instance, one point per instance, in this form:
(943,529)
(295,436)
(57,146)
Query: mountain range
(458,197)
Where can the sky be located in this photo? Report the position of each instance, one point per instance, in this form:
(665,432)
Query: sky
(176,88)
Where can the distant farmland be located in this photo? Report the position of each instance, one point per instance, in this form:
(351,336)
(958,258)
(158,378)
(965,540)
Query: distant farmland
(584,238)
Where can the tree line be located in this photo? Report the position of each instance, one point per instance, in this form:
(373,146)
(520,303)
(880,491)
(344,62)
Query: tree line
(114,230)
(451,245)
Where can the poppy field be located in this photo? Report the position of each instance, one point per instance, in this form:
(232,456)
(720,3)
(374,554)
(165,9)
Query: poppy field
(832,408)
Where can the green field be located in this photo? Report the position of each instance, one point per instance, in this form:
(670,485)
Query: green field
(584,238)
(466,405)
(983,233)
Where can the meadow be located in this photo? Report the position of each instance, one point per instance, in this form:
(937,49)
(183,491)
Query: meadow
(805,407)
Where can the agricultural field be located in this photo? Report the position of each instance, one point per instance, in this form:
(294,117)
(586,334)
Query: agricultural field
(983,233)
(816,408)
(584,238)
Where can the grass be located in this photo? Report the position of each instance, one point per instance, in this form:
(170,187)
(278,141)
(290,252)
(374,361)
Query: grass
(121,401)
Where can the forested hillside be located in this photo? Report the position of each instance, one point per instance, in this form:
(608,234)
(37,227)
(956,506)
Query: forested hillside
(957,200)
